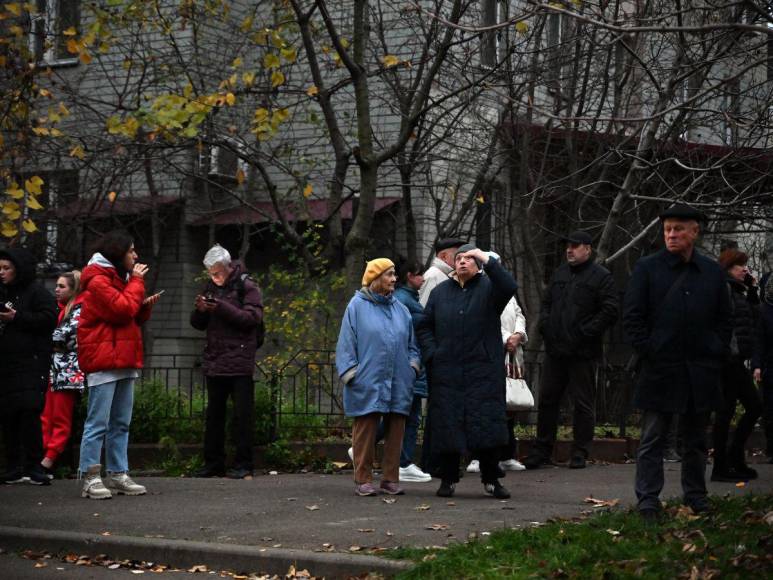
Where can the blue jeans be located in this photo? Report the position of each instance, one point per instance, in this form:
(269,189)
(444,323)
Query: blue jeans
(411,432)
(108,419)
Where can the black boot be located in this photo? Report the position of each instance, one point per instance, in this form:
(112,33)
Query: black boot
(738,464)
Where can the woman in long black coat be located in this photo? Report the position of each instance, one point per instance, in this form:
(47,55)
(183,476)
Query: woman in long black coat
(762,361)
(27,319)
(461,344)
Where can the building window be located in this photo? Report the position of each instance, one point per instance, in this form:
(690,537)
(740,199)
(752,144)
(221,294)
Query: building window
(224,161)
(48,42)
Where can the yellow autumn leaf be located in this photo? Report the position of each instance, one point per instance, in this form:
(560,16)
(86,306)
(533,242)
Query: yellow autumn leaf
(44,93)
(33,203)
(14,215)
(17,30)
(289,54)
(312,91)
(85,57)
(70,31)
(281,115)
(308,190)
(9,207)
(240,177)
(40,131)
(72,46)
(237,62)
(64,110)
(390,60)
(15,191)
(261,114)
(13,8)
(522,27)
(111,196)
(56,132)
(33,185)
(480,198)
(78,152)
(248,79)
(277,78)
(271,60)
(230,98)
(246,24)
(8,230)
(29,226)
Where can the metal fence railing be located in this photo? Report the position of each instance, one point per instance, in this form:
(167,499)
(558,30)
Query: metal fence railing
(305,395)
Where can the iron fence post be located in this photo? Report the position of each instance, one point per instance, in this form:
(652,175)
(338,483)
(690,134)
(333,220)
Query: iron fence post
(274,423)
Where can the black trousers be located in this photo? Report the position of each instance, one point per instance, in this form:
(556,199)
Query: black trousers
(509,451)
(737,385)
(489,458)
(242,391)
(23,436)
(577,375)
(649,460)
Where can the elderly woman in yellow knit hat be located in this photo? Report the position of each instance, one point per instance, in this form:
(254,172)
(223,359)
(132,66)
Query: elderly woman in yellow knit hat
(378,361)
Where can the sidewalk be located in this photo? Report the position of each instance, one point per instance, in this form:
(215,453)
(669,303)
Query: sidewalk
(311,519)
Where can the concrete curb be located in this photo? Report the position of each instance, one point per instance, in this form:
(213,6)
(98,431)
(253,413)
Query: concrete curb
(184,554)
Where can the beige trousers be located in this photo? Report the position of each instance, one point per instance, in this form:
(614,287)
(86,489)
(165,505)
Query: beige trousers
(364,444)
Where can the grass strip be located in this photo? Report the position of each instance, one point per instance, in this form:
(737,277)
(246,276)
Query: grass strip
(734,540)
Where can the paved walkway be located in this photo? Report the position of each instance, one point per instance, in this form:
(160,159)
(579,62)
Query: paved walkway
(320,513)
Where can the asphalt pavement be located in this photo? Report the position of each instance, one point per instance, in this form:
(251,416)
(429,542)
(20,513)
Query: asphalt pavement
(316,514)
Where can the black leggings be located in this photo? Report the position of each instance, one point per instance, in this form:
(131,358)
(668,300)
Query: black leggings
(737,385)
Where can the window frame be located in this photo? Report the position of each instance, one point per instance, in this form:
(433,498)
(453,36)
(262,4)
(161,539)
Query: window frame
(44,32)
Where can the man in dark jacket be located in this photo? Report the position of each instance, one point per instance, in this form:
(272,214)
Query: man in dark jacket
(678,318)
(461,345)
(231,311)
(28,314)
(581,302)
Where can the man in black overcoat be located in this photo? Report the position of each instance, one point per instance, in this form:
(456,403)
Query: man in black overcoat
(579,305)
(461,344)
(678,317)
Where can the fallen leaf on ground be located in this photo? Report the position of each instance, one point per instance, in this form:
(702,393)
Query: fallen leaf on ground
(198,568)
(389,500)
(437,527)
(366,530)
(339,464)
(422,508)
(106,533)
(273,473)
(741,484)
(450,503)
(41,565)
(597,503)
(312,508)
(613,532)
(355,548)
(768,519)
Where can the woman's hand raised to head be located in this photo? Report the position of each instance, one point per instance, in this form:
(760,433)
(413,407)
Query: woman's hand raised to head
(140,270)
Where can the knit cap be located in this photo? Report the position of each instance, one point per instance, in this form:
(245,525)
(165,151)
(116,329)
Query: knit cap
(375,268)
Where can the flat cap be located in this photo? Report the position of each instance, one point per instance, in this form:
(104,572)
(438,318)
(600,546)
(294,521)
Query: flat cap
(579,237)
(684,212)
(446,243)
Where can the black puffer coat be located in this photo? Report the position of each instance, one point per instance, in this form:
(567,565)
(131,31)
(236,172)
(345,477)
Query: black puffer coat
(461,344)
(579,305)
(232,328)
(745,301)
(25,342)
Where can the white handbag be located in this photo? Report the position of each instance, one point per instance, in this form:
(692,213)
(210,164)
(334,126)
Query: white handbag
(518,397)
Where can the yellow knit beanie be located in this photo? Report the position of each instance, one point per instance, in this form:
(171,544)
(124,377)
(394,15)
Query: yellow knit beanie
(375,268)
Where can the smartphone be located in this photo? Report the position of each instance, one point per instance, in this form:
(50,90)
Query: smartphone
(159,293)
(5,307)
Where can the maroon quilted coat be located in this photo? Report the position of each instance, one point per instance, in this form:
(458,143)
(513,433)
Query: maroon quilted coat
(232,328)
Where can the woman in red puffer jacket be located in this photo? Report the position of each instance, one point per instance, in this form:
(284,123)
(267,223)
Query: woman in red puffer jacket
(110,353)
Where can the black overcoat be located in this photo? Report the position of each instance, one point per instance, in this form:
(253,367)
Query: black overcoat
(25,343)
(461,344)
(683,350)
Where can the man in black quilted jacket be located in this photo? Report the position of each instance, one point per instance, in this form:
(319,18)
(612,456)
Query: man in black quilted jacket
(581,302)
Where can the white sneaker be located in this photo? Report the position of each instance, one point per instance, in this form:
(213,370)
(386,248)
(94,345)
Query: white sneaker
(93,488)
(474,466)
(121,483)
(512,465)
(351,454)
(413,473)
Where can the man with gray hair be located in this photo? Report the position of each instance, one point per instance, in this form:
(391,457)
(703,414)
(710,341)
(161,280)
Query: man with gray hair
(230,310)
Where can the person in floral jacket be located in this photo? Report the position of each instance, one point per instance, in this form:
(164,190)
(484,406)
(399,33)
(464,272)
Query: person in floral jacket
(66,378)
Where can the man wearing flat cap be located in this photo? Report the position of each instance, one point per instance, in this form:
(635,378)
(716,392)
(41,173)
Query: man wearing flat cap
(579,305)
(678,318)
(441,268)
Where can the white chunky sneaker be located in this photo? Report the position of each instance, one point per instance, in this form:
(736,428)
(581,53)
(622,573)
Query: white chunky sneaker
(512,465)
(121,483)
(413,473)
(93,488)
(474,466)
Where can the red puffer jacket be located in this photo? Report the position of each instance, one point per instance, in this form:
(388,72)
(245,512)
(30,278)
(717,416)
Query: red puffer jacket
(109,334)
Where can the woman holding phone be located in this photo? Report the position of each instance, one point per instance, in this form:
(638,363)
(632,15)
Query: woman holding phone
(110,353)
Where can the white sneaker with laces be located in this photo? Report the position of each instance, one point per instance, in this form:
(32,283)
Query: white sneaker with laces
(512,465)
(123,484)
(474,466)
(93,488)
(413,473)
